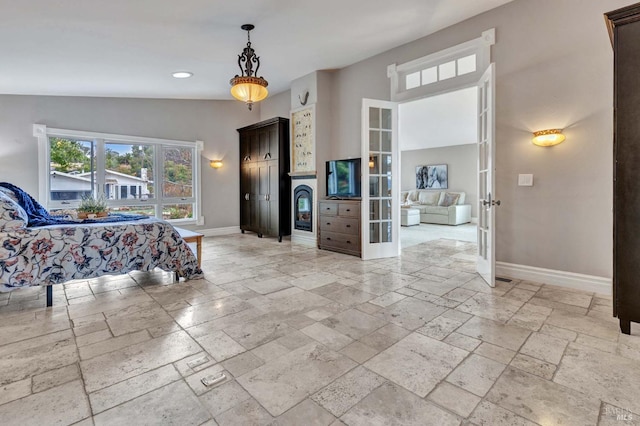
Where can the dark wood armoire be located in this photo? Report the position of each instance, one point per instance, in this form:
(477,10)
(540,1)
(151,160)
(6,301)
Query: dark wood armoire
(265,185)
(624,29)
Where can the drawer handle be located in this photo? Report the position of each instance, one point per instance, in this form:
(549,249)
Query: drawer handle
(328,223)
(348,242)
(348,210)
(328,208)
(328,239)
(348,226)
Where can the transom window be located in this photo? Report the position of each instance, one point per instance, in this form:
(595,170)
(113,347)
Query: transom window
(156,177)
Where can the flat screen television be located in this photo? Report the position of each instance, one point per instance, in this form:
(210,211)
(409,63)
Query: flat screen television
(343,178)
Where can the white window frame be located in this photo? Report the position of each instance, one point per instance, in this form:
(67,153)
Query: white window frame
(480,46)
(43,133)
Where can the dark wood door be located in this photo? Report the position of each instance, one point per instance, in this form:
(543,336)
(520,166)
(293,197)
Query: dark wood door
(245,197)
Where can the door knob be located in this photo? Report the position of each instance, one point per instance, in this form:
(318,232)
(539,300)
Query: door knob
(246,196)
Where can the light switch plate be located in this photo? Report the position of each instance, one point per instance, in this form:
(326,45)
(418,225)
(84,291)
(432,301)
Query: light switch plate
(525,180)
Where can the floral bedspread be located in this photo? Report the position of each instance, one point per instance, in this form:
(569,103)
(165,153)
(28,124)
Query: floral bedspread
(55,254)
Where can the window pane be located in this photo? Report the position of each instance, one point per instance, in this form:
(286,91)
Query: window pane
(386,232)
(374,233)
(447,70)
(177,211)
(386,209)
(374,118)
(467,64)
(386,164)
(70,169)
(178,172)
(430,75)
(374,186)
(128,171)
(374,140)
(386,186)
(374,210)
(413,80)
(147,210)
(386,141)
(374,164)
(386,119)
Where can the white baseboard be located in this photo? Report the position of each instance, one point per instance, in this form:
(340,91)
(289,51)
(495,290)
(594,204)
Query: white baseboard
(590,283)
(474,220)
(215,232)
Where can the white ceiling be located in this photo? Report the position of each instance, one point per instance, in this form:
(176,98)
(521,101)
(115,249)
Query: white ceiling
(443,120)
(129,48)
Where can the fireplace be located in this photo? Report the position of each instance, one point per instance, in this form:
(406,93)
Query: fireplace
(303,208)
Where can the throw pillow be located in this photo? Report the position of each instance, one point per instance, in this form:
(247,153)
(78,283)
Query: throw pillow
(449,199)
(403,197)
(413,195)
(429,198)
(12,216)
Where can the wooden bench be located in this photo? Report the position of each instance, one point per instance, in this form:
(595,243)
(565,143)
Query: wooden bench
(191,237)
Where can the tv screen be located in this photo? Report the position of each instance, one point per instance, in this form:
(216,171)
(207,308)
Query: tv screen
(343,178)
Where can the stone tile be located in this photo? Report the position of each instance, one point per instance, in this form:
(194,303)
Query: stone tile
(557,305)
(163,329)
(595,343)
(297,374)
(616,381)
(534,366)
(410,313)
(456,315)
(107,303)
(310,282)
(319,314)
(242,363)
(439,328)
(354,323)
(520,294)
(64,404)
(348,390)
(248,412)
(220,346)
(350,296)
(611,415)
(113,344)
(560,333)
(55,378)
(407,291)
(359,352)
(195,380)
(490,331)
(629,347)
(417,363)
(531,317)
(495,353)
(433,287)
(15,390)
(491,307)
(489,414)
(91,328)
(294,340)
(267,286)
(542,401)
(171,404)
(224,397)
(258,331)
(306,413)
(94,337)
(460,294)
(544,347)
(476,374)
(105,370)
(381,407)
(388,299)
(204,312)
(575,298)
(18,330)
(329,288)
(463,342)
(327,336)
(270,351)
(191,364)
(454,399)
(132,388)
(584,324)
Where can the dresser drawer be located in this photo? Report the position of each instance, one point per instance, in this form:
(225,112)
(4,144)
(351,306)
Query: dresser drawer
(349,209)
(328,209)
(343,225)
(340,241)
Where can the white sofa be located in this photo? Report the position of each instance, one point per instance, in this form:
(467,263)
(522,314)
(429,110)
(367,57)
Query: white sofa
(440,207)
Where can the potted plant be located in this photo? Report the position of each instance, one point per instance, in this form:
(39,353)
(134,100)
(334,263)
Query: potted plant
(91,207)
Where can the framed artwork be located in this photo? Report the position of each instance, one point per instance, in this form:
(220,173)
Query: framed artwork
(432,177)
(303,140)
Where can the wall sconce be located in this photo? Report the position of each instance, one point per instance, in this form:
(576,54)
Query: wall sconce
(548,137)
(216,164)
(371,163)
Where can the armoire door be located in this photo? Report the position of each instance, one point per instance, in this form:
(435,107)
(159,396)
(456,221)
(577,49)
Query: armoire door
(245,196)
(264,206)
(274,199)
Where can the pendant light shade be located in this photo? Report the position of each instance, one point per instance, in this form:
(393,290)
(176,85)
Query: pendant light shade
(248,87)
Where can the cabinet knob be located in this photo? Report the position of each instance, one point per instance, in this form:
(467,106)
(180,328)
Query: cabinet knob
(348,242)
(328,239)
(348,210)
(328,223)
(348,226)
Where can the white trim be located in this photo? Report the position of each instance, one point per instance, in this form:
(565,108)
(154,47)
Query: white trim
(216,232)
(591,283)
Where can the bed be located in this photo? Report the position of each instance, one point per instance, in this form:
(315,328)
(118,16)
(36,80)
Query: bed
(54,254)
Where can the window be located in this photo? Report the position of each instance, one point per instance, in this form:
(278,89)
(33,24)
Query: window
(155,177)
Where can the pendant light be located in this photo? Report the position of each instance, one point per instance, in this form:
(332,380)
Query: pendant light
(248,87)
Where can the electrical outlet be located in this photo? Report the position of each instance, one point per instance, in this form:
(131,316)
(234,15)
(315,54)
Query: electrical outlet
(525,180)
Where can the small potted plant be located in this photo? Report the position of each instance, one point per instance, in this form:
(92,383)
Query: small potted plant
(91,207)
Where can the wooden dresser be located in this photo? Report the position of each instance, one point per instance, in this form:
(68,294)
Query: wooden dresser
(339,226)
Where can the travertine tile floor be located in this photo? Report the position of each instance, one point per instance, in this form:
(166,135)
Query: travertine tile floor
(308,337)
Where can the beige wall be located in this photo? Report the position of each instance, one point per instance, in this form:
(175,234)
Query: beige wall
(275,106)
(554,69)
(214,122)
(461,161)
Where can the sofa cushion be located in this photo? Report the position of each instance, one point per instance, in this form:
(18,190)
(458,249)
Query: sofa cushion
(449,199)
(434,210)
(429,198)
(12,216)
(403,197)
(412,196)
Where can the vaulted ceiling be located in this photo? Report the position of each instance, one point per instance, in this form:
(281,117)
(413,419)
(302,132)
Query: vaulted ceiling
(126,48)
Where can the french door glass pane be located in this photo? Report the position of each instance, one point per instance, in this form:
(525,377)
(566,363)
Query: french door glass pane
(386,164)
(374,232)
(385,227)
(386,209)
(374,140)
(128,171)
(385,138)
(374,164)
(386,119)
(374,210)
(374,186)
(374,118)
(72,169)
(178,172)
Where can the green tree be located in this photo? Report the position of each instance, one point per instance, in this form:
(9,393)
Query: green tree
(69,155)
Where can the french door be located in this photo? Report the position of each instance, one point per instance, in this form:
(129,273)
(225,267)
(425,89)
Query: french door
(486,265)
(380,180)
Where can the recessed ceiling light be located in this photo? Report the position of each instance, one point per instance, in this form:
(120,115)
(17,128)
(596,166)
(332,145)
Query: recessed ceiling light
(182,74)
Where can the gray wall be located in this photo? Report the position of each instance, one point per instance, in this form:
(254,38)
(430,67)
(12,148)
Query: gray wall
(554,69)
(461,161)
(276,106)
(214,122)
